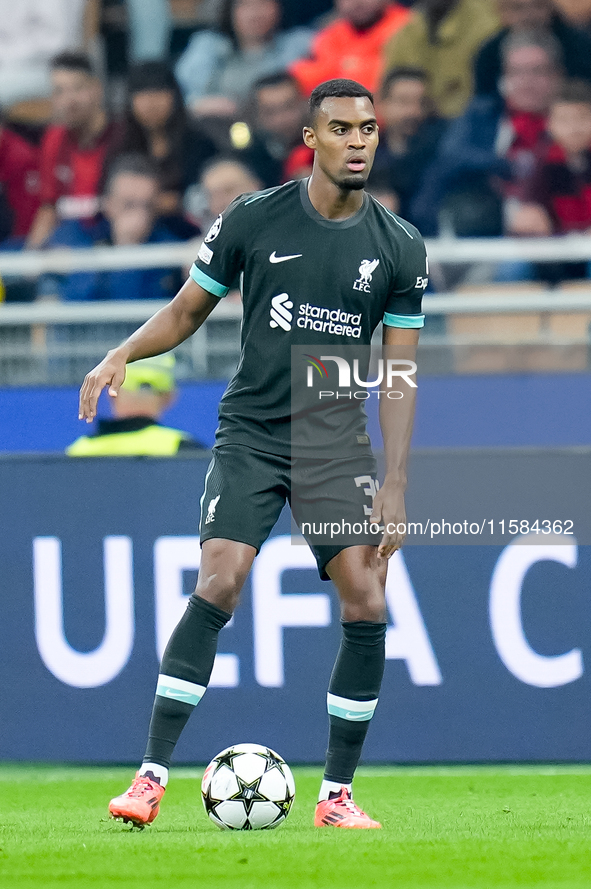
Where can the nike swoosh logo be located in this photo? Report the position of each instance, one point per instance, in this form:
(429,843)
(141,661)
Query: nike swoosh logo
(274,258)
(172,693)
(350,715)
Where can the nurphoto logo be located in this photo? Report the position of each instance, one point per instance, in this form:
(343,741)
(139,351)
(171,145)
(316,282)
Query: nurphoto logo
(387,371)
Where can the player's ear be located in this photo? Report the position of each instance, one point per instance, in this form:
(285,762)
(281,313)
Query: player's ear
(309,137)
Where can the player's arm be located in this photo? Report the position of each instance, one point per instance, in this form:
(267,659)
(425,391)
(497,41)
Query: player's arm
(396,422)
(402,321)
(220,259)
(172,325)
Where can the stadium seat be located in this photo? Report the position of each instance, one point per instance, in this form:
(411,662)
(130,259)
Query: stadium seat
(492,343)
(528,341)
(571,326)
(494,328)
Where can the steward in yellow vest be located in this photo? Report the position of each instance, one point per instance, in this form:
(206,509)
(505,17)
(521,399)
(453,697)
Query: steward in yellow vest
(148,389)
(135,436)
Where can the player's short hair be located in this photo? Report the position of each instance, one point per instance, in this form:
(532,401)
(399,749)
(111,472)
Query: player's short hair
(335,89)
(130,164)
(72,61)
(575,92)
(544,40)
(402,72)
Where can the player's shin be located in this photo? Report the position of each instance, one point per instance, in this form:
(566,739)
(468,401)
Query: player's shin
(352,698)
(184,674)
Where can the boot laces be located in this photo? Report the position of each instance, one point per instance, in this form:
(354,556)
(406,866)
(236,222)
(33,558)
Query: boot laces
(348,803)
(139,787)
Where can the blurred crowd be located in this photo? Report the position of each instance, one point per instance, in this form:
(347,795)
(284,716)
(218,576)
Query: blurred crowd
(137,122)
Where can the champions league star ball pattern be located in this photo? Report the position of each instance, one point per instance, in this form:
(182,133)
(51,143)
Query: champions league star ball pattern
(247,787)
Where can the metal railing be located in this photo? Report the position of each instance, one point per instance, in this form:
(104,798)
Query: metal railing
(56,344)
(570,248)
(51,343)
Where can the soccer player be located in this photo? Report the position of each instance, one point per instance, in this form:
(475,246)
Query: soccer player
(324,241)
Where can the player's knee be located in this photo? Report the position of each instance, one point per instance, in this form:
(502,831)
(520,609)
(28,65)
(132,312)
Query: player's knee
(221,588)
(368,605)
(224,567)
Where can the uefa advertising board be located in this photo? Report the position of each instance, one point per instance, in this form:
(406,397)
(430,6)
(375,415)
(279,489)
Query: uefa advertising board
(488,644)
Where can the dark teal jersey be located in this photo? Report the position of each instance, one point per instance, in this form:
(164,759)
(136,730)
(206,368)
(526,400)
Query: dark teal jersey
(305,281)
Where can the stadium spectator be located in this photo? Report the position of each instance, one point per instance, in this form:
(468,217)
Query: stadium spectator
(442,37)
(294,13)
(156,124)
(409,136)
(129,217)
(135,430)
(74,148)
(223,180)
(486,156)
(304,12)
(299,164)
(576,12)
(32,33)
(19,183)
(520,15)
(379,186)
(557,198)
(352,45)
(150,26)
(275,144)
(218,68)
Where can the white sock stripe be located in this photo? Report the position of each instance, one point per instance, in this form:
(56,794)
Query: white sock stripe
(328,787)
(349,704)
(160,772)
(182,684)
(179,689)
(346,708)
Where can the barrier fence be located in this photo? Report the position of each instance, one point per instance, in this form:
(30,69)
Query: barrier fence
(571,248)
(48,343)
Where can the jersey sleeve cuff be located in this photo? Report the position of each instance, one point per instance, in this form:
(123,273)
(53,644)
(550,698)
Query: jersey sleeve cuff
(207,283)
(404,320)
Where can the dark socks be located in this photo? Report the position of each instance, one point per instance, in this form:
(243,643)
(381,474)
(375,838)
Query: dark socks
(184,674)
(353,695)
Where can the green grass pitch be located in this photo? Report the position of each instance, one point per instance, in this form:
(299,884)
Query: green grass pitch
(444,828)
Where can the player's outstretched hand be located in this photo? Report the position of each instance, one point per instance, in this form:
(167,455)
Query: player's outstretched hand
(389,511)
(110,372)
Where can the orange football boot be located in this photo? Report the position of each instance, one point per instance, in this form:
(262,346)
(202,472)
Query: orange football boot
(341,811)
(140,803)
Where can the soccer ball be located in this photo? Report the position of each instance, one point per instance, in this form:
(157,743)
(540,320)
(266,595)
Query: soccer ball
(247,787)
